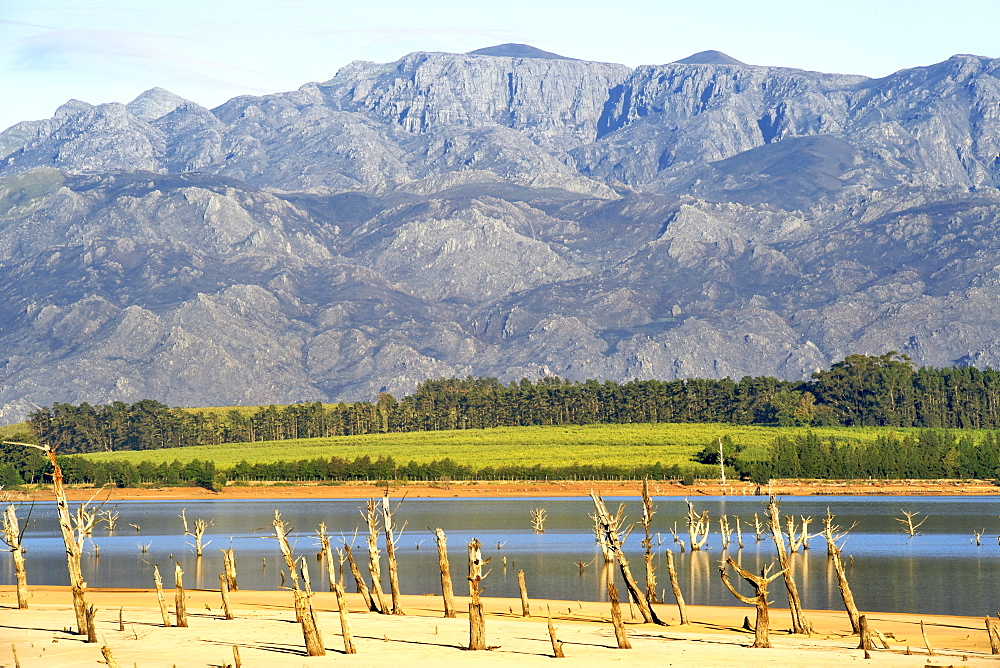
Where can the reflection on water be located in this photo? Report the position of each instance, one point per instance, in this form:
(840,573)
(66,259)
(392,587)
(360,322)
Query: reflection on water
(940,571)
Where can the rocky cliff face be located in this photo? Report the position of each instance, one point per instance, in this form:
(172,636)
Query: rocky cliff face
(508,212)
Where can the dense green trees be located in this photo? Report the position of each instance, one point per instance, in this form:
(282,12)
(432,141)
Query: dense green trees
(861,390)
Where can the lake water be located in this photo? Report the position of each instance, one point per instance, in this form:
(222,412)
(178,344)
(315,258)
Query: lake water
(939,571)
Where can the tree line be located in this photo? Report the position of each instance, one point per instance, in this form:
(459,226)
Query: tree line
(861,390)
(80,470)
(927,454)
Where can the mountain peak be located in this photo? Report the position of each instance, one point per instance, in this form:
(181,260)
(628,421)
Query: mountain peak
(710,57)
(154,103)
(517,51)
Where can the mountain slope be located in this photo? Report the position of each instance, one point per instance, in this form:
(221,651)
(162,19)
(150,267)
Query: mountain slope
(505,212)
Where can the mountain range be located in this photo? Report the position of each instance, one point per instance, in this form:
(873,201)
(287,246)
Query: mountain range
(507,212)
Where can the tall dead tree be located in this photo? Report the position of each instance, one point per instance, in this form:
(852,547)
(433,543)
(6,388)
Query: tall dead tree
(799,622)
(648,510)
(447,593)
(833,533)
(158,581)
(391,538)
(374,557)
(759,583)
(304,613)
(12,536)
(75,530)
(610,528)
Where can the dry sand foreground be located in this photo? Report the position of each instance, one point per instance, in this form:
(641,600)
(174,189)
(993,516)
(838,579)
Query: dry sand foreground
(267,635)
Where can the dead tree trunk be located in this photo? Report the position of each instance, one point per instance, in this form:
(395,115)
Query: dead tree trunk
(180,604)
(676,587)
(359,580)
(525,608)
(91,629)
(616,618)
(345,622)
(229,567)
(832,534)
(648,510)
(477,624)
(73,533)
(699,527)
(391,538)
(447,593)
(993,630)
(158,581)
(374,565)
(224,592)
(557,650)
(799,622)
(12,536)
(609,526)
(759,583)
(303,605)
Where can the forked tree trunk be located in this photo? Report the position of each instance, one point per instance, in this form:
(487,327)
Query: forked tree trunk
(303,606)
(609,527)
(616,618)
(390,549)
(799,622)
(447,593)
(676,587)
(374,565)
(12,536)
(759,583)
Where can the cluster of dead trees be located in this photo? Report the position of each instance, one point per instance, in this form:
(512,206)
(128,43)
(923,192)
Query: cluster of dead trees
(383,532)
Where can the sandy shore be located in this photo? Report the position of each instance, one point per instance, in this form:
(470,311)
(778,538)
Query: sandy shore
(528,489)
(266,634)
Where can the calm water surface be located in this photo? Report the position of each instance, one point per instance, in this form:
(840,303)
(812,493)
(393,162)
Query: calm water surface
(940,571)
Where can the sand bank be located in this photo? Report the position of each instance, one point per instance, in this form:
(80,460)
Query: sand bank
(266,634)
(528,489)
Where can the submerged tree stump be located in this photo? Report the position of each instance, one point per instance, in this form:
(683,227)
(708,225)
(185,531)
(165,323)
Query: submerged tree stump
(525,608)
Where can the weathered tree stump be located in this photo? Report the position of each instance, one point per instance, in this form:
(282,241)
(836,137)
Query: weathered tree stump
(12,537)
(676,587)
(993,630)
(525,608)
(391,538)
(345,622)
(447,592)
(359,580)
(224,592)
(180,603)
(477,624)
(557,650)
(91,630)
(616,618)
(158,581)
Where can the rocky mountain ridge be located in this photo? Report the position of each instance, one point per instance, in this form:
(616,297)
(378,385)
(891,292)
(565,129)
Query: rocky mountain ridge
(503,215)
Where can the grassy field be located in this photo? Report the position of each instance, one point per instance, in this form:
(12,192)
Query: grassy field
(7,431)
(623,445)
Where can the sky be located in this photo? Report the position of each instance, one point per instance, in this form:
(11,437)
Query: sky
(211,50)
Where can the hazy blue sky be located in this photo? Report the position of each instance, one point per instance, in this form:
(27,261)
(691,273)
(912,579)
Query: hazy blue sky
(211,50)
